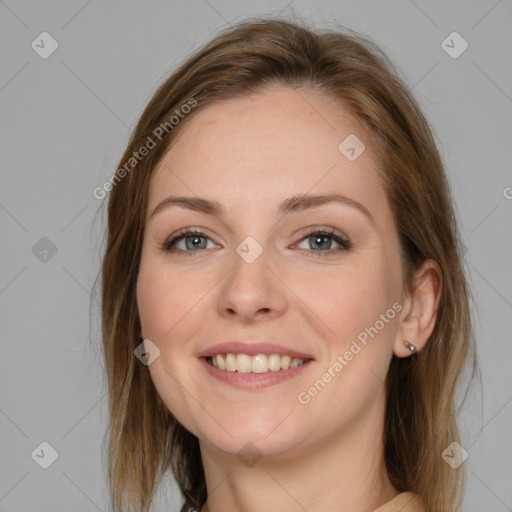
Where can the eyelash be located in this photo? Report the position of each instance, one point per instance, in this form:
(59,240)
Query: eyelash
(344,244)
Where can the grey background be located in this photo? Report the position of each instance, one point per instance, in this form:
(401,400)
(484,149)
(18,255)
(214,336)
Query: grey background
(65,122)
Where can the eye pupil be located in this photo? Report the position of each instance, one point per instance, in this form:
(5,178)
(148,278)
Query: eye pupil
(320,240)
(195,242)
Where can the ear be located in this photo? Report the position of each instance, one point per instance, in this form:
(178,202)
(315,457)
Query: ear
(420,309)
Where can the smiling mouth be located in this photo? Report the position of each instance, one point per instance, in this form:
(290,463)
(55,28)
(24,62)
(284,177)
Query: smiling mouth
(259,363)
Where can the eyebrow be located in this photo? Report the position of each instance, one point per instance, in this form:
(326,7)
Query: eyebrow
(292,204)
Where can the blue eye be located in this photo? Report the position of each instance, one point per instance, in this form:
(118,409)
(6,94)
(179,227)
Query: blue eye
(192,239)
(320,242)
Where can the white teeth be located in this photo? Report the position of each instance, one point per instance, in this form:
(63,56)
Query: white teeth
(260,363)
(230,362)
(274,362)
(243,363)
(220,362)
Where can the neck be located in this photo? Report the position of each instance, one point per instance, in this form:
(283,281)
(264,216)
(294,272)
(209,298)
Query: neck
(343,472)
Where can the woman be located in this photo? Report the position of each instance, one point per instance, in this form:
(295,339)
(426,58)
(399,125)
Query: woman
(285,315)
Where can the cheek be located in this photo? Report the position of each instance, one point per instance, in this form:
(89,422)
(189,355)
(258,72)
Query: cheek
(349,300)
(357,308)
(166,297)
(166,302)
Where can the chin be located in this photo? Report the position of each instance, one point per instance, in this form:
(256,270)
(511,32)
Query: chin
(250,442)
(250,428)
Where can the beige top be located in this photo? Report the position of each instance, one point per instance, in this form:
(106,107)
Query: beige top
(404,502)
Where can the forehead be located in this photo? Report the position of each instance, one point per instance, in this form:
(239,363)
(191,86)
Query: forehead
(276,143)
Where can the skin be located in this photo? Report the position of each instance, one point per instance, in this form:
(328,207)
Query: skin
(250,154)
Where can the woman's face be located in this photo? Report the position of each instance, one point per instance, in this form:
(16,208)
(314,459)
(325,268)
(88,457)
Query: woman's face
(270,281)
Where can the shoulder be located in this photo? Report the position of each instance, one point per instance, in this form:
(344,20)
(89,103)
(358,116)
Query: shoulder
(404,502)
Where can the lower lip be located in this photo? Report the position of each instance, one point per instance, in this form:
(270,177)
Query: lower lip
(251,380)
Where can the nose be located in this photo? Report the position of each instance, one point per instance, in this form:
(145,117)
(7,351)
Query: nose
(252,291)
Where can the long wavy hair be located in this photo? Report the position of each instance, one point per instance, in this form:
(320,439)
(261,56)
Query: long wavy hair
(145,441)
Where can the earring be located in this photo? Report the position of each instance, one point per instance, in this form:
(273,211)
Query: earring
(410,346)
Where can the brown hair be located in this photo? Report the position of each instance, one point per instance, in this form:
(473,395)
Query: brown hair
(145,440)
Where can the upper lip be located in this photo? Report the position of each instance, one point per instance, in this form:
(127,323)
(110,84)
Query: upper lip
(252,349)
